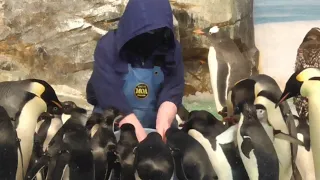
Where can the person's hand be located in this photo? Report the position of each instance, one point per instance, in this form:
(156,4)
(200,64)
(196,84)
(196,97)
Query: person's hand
(166,113)
(132,119)
(162,127)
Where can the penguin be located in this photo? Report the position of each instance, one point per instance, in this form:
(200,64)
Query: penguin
(125,147)
(103,145)
(307,56)
(191,159)
(46,128)
(24,101)
(304,158)
(224,61)
(76,146)
(181,116)
(256,148)
(267,92)
(153,159)
(219,144)
(55,157)
(9,146)
(244,92)
(306,83)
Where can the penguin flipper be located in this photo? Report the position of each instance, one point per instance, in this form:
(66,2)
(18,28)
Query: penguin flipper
(280,135)
(37,167)
(62,161)
(246,146)
(178,165)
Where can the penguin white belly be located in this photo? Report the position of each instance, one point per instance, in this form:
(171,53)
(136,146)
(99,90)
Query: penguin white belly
(55,125)
(39,176)
(179,120)
(213,70)
(25,130)
(217,158)
(250,164)
(314,121)
(66,173)
(304,162)
(38,125)
(281,146)
(94,129)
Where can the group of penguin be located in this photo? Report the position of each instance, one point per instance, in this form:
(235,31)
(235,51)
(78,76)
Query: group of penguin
(43,138)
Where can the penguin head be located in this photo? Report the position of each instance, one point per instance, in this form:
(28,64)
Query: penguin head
(127,127)
(242,92)
(294,83)
(199,119)
(45,91)
(207,31)
(313,34)
(68,107)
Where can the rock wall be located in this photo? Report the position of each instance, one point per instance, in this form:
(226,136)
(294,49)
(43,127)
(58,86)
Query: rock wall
(55,40)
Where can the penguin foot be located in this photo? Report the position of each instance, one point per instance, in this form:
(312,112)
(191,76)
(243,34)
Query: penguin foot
(231,120)
(18,139)
(63,151)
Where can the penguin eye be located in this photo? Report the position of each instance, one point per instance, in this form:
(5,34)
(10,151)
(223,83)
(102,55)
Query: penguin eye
(237,110)
(55,108)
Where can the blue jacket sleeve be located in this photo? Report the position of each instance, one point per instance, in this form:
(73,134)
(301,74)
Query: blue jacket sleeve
(173,85)
(106,83)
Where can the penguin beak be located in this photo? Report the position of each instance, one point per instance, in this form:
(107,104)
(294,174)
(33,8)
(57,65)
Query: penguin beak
(199,32)
(57,103)
(282,98)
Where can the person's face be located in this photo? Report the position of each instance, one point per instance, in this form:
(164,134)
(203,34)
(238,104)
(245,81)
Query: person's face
(146,43)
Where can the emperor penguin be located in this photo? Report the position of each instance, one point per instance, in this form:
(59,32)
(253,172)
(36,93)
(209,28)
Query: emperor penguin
(265,93)
(25,101)
(224,61)
(218,142)
(9,146)
(307,84)
(256,148)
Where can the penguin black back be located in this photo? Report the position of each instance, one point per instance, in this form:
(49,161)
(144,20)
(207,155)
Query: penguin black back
(8,147)
(229,164)
(125,147)
(255,138)
(191,159)
(77,142)
(103,144)
(153,159)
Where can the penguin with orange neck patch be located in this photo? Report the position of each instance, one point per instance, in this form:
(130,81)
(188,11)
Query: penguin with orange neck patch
(307,84)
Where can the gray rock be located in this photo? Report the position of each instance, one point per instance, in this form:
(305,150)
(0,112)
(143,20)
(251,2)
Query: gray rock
(55,40)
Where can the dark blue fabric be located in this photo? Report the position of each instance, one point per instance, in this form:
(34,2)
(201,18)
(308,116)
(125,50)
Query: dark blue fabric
(111,63)
(144,108)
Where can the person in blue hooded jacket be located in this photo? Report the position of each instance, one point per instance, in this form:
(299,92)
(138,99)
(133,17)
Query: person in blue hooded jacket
(138,68)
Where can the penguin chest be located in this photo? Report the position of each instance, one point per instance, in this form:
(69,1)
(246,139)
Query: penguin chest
(304,161)
(250,163)
(55,125)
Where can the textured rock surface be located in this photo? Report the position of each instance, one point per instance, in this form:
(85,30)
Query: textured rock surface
(55,40)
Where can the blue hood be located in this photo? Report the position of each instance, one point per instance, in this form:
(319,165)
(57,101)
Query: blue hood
(104,88)
(141,16)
